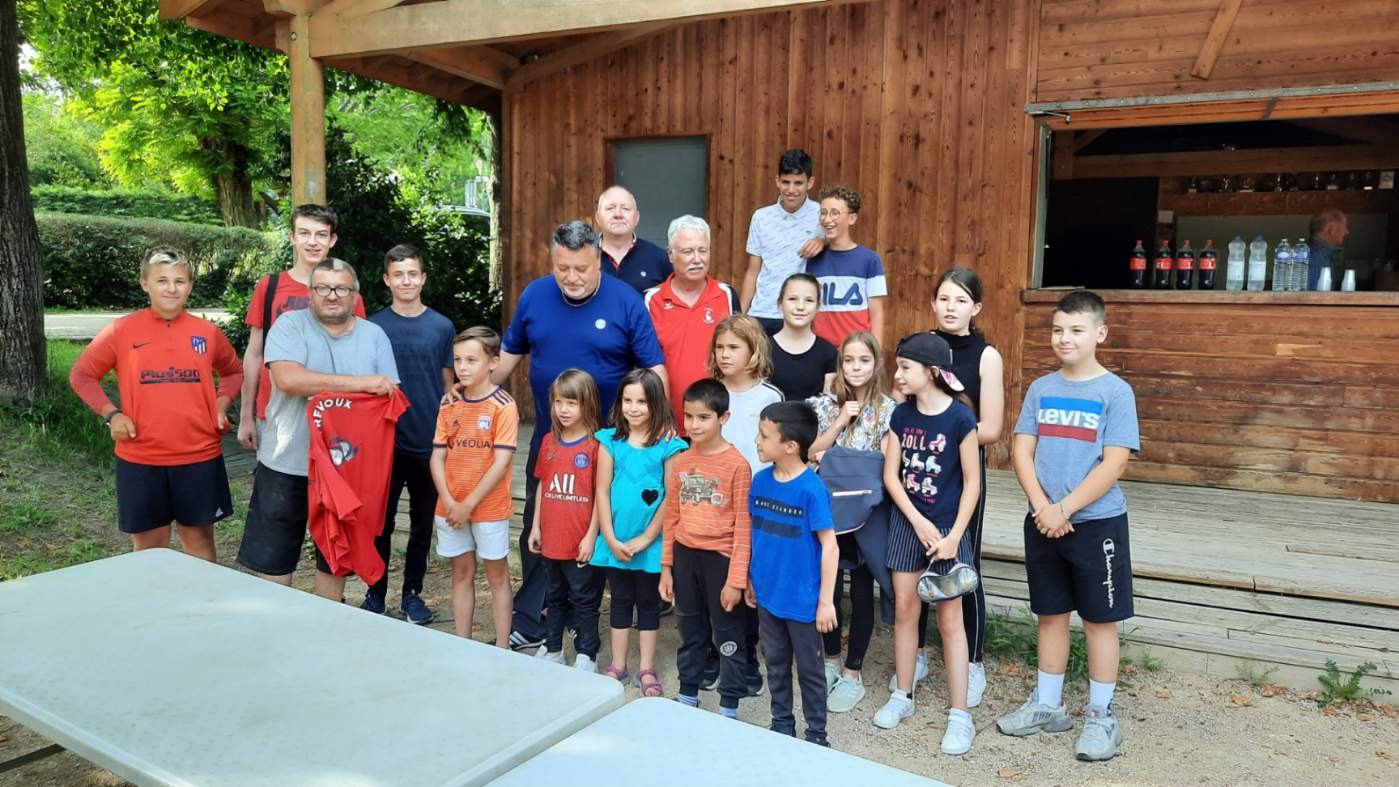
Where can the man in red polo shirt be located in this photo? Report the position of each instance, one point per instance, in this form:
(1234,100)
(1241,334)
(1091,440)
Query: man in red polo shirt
(686,308)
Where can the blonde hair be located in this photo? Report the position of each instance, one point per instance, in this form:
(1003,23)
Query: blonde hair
(165,255)
(751,333)
(842,390)
(578,385)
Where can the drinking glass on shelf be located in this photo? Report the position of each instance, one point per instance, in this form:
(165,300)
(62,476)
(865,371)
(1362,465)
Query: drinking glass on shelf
(1348,281)
(1323,282)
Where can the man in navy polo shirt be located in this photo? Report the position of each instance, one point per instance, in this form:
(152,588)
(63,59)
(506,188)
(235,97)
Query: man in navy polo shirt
(573,318)
(638,262)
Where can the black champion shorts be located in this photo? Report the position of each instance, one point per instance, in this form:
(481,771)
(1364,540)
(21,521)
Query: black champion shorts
(1088,571)
(152,496)
(276,526)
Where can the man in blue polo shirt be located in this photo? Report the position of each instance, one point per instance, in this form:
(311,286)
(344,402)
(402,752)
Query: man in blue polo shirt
(636,261)
(573,318)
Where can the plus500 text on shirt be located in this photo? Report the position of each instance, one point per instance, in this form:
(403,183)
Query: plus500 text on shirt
(1073,421)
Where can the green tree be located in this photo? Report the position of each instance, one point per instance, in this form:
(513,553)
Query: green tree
(197,111)
(61,146)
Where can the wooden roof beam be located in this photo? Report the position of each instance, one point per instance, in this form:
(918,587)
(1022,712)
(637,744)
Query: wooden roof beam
(1240,162)
(595,47)
(470,63)
(179,9)
(1372,130)
(230,25)
(349,9)
(1214,41)
(461,22)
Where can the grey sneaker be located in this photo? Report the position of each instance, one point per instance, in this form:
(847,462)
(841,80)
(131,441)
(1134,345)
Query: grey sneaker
(976,684)
(832,675)
(847,693)
(1035,717)
(1101,736)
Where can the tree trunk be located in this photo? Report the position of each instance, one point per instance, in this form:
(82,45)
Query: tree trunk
(23,366)
(234,188)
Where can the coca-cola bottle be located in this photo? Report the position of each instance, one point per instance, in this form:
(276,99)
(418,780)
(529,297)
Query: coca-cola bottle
(1164,262)
(1209,260)
(1138,269)
(1185,267)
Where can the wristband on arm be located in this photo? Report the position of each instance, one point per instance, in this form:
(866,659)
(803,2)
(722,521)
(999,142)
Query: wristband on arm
(107,420)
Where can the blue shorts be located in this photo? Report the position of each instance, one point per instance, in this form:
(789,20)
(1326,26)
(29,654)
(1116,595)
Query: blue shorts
(152,496)
(1088,571)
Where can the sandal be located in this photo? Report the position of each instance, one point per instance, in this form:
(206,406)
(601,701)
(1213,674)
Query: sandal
(650,689)
(618,673)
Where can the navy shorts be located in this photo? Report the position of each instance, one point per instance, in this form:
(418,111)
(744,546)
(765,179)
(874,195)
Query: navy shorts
(276,526)
(152,496)
(1088,571)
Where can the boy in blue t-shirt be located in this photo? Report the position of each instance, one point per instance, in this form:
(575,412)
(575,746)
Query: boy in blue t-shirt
(792,571)
(1076,431)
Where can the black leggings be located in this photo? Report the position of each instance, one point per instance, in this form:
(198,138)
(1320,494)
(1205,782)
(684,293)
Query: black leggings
(974,603)
(634,590)
(861,609)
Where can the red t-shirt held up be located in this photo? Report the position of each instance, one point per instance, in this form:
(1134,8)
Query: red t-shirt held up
(348,477)
(566,473)
(291,296)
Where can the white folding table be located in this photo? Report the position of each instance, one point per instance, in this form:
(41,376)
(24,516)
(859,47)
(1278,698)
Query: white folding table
(657,741)
(168,670)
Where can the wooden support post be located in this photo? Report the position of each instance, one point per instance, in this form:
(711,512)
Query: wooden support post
(307,114)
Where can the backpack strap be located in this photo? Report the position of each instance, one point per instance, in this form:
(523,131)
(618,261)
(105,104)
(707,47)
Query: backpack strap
(269,295)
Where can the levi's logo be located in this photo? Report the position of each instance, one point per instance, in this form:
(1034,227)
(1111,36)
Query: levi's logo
(1076,419)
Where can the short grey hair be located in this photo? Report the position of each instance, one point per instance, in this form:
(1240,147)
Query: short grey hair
(575,235)
(687,222)
(336,265)
(1325,219)
(612,188)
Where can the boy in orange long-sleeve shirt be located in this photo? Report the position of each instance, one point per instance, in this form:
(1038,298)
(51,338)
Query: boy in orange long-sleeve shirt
(707,535)
(170,420)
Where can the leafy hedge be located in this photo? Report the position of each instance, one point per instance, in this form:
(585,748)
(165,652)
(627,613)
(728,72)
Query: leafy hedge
(135,203)
(94,261)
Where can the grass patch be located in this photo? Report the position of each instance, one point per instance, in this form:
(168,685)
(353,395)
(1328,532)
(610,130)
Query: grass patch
(60,427)
(1014,637)
(1254,674)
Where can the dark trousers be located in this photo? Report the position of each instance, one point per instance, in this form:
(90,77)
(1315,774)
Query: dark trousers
(699,576)
(784,640)
(636,599)
(534,586)
(575,594)
(861,618)
(974,603)
(410,472)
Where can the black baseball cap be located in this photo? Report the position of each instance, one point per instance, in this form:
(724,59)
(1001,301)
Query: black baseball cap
(930,349)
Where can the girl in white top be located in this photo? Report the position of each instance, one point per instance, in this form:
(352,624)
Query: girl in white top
(740,359)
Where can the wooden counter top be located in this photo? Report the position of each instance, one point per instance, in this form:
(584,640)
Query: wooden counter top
(1224,297)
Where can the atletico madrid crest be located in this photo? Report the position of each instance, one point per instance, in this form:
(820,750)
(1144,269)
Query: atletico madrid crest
(199,344)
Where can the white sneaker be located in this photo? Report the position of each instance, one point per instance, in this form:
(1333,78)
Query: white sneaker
(976,684)
(898,708)
(832,676)
(960,732)
(920,671)
(554,658)
(582,662)
(541,652)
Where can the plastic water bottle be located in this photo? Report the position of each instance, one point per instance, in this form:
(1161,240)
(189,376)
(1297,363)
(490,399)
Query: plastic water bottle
(1282,267)
(1257,263)
(1301,263)
(1234,270)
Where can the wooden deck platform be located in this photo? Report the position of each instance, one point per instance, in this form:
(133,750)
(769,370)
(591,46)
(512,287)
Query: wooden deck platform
(1221,577)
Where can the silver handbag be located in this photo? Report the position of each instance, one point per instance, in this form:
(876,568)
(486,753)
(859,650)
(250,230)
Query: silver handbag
(960,580)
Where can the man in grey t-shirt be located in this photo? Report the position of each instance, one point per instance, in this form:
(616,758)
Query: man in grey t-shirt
(323,348)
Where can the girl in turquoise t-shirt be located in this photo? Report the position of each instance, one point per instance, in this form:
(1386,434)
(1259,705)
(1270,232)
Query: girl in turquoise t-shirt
(630,485)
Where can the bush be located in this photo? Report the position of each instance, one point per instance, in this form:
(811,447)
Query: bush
(94,261)
(136,203)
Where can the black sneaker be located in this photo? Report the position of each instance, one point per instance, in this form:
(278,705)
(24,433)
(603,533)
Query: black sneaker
(519,641)
(666,608)
(710,680)
(755,684)
(415,610)
(373,604)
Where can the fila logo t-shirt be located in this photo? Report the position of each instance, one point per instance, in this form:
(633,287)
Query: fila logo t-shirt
(1073,420)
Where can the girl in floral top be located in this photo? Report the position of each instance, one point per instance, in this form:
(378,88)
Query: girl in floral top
(854,415)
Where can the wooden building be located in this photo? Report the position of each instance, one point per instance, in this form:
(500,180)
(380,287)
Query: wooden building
(953,118)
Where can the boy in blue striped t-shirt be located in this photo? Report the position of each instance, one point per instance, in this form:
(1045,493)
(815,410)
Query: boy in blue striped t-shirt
(792,571)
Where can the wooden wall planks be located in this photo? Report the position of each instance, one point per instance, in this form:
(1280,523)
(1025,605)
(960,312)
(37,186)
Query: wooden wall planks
(1273,398)
(919,105)
(1126,48)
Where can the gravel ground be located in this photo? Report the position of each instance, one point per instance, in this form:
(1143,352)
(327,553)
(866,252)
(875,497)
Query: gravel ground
(1181,728)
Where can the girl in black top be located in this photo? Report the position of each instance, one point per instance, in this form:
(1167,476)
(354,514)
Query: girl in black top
(802,362)
(956,303)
